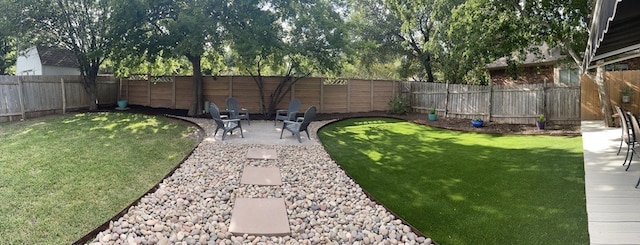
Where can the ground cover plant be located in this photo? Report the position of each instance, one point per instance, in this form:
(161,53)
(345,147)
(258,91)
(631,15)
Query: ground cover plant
(465,187)
(62,176)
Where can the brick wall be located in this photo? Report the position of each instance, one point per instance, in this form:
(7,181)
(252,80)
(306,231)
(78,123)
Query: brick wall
(526,75)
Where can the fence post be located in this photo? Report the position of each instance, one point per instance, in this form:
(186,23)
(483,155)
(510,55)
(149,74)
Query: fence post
(321,95)
(173,92)
(348,96)
(148,89)
(371,96)
(446,99)
(64,97)
(490,107)
(21,98)
(230,86)
(544,98)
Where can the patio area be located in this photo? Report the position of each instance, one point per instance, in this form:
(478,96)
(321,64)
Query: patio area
(613,204)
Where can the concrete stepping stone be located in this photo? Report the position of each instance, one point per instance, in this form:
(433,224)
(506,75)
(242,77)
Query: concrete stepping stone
(255,153)
(261,176)
(260,217)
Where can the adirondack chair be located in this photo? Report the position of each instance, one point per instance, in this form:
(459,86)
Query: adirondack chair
(296,127)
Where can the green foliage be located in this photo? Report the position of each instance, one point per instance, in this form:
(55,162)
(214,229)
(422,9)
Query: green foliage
(482,193)
(80,170)
(7,40)
(397,105)
(84,27)
(432,110)
(541,118)
(292,38)
(480,31)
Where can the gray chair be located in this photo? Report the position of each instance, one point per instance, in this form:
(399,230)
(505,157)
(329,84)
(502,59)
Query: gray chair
(235,112)
(297,127)
(227,125)
(635,132)
(290,113)
(627,137)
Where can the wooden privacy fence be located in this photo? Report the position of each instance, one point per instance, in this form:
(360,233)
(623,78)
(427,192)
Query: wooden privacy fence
(344,96)
(518,104)
(615,82)
(24,97)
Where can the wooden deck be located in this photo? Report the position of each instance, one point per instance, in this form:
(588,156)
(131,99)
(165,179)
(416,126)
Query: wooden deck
(613,204)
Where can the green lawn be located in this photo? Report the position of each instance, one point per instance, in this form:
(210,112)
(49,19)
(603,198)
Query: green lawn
(62,176)
(465,187)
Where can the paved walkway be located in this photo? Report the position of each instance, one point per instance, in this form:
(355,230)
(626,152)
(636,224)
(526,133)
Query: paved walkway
(265,133)
(613,204)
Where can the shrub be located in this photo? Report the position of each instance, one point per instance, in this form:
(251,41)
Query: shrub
(397,106)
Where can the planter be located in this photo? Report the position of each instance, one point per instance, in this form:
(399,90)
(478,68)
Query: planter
(540,125)
(122,104)
(432,117)
(626,99)
(477,123)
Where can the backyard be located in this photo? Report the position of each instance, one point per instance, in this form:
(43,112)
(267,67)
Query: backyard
(455,186)
(63,176)
(466,187)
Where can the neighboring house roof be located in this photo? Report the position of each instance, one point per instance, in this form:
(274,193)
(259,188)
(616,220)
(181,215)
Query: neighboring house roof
(51,56)
(543,57)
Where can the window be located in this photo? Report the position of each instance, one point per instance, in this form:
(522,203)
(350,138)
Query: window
(570,77)
(617,67)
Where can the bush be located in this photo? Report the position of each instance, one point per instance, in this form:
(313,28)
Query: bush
(397,106)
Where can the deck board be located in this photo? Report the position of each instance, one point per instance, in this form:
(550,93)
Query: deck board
(613,204)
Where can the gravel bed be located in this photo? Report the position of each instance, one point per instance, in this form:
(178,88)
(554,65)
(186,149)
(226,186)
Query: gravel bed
(194,205)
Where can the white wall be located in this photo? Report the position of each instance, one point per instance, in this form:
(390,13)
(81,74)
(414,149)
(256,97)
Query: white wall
(29,63)
(58,70)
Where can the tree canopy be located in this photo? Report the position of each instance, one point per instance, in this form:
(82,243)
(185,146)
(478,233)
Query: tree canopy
(430,40)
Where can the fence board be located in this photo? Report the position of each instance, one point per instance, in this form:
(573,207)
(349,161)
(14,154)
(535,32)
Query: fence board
(31,96)
(362,95)
(615,81)
(518,104)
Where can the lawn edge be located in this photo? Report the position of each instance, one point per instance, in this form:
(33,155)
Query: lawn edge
(92,234)
(413,229)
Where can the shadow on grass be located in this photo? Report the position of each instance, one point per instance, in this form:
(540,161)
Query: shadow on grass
(79,170)
(465,188)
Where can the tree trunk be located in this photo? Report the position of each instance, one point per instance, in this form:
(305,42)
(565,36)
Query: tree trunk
(605,102)
(90,85)
(197,106)
(426,62)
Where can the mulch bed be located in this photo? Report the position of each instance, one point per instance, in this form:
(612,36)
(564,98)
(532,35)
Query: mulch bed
(447,123)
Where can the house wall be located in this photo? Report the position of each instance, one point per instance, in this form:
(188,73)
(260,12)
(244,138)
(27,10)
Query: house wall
(526,75)
(29,64)
(58,71)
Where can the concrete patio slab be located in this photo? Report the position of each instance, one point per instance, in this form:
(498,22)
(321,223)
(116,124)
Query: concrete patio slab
(255,153)
(261,176)
(259,216)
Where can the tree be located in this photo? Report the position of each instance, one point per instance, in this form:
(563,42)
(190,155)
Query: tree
(417,27)
(375,47)
(173,28)
(481,31)
(7,41)
(7,54)
(80,26)
(293,38)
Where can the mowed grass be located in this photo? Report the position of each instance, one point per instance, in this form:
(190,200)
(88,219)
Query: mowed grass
(465,187)
(62,176)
